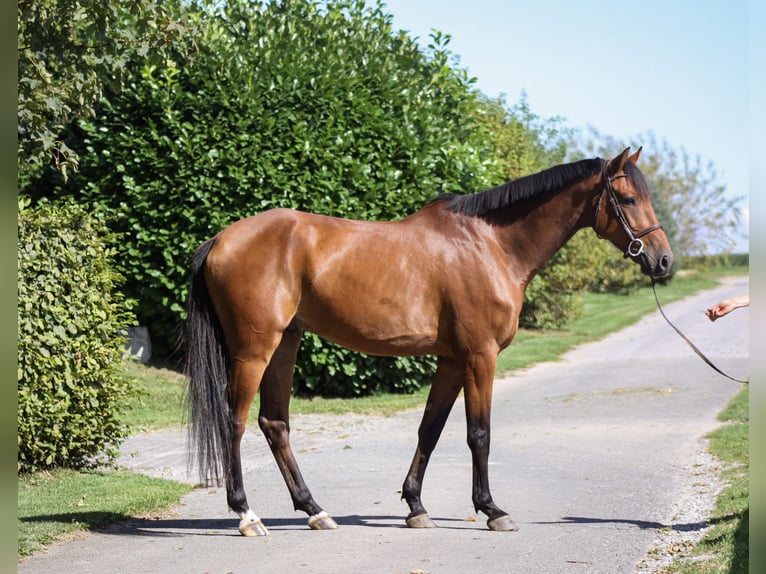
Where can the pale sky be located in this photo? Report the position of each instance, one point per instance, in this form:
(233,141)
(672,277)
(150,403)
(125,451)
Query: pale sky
(677,68)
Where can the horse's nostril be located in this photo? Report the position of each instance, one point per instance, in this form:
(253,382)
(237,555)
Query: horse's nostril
(663,266)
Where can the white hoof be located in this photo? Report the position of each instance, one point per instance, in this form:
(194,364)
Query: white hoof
(251,525)
(322,521)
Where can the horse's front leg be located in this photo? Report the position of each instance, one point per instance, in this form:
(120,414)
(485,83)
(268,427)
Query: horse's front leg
(444,390)
(478,404)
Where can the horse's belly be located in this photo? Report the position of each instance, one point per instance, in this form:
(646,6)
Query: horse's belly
(391,324)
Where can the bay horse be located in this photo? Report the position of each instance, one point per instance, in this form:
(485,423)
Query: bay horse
(448,280)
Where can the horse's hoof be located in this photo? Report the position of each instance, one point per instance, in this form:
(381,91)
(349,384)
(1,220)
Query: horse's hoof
(502,524)
(420,521)
(252,526)
(322,521)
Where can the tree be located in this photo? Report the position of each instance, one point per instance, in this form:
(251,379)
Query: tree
(68,53)
(523,142)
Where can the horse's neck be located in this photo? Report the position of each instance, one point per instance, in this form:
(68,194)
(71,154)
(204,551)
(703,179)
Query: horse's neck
(532,240)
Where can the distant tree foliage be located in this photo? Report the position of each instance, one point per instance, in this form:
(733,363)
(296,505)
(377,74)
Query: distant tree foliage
(524,142)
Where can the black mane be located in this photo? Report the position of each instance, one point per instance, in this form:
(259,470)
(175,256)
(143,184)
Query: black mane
(551,179)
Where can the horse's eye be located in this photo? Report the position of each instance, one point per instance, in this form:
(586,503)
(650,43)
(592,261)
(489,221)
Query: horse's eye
(629,201)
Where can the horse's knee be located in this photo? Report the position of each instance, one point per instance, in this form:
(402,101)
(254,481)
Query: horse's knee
(237,429)
(478,438)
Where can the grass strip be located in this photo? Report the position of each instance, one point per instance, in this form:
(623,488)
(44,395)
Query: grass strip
(603,313)
(52,506)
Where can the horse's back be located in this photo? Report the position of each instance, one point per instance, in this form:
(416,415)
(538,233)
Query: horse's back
(286,238)
(352,281)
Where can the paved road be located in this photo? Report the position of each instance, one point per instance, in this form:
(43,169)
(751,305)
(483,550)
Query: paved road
(591,455)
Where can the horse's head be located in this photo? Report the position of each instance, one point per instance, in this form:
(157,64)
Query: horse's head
(625,216)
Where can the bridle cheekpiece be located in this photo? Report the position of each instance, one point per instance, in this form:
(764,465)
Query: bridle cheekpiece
(635,246)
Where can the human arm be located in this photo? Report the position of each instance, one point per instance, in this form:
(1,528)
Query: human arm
(726,306)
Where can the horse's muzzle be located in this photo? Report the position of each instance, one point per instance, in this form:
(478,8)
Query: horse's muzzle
(657,268)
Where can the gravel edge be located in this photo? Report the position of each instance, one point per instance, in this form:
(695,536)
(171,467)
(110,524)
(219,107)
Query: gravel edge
(700,483)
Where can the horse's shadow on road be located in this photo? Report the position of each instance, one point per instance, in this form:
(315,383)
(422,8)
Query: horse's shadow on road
(131,526)
(228,526)
(642,524)
(123,525)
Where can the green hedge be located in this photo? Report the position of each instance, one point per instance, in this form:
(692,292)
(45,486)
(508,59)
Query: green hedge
(70,316)
(319,106)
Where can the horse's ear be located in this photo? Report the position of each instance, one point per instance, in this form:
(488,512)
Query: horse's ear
(616,164)
(634,158)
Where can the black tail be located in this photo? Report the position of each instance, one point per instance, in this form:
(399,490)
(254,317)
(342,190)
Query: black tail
(207,380)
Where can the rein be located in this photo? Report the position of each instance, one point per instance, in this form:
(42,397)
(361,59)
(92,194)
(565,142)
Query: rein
(688,342)
(635,246)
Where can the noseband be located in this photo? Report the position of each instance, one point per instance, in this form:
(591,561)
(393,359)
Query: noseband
(635,246)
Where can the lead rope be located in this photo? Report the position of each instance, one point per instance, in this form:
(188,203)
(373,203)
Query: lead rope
(688,342)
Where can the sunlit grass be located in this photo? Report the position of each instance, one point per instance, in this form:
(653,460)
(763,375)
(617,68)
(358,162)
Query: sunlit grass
(54,505)
(603,313)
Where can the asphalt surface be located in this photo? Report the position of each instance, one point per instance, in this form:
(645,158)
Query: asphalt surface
(592,456)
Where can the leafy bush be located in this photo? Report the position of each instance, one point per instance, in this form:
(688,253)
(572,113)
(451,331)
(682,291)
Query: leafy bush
(318,106)
(329,370)
(722,260)
(69,318)
(68,50)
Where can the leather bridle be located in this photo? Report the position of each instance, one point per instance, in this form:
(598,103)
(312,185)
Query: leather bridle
(635,246)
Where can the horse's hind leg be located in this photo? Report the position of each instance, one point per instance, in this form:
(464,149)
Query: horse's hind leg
(246,377)
(274,421)
(444,390)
